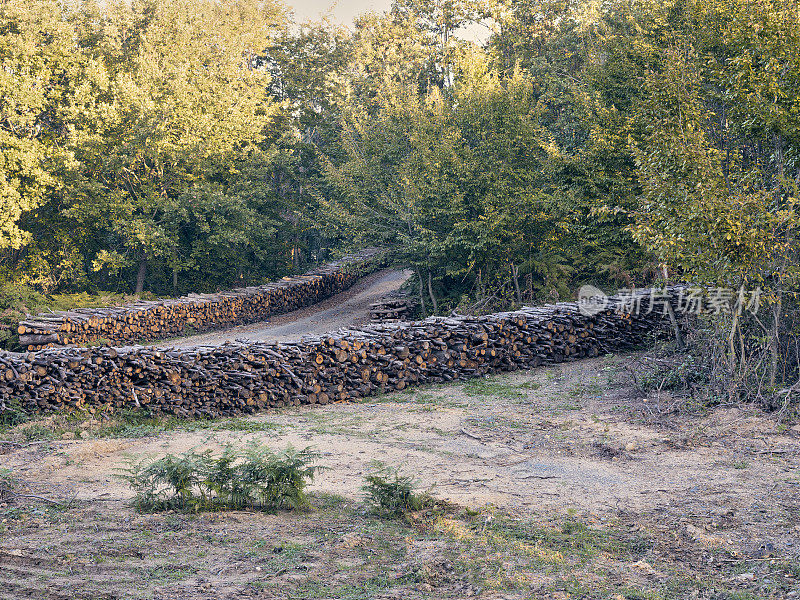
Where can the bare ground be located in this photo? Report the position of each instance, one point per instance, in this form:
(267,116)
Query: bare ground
(347,309)
(561,482)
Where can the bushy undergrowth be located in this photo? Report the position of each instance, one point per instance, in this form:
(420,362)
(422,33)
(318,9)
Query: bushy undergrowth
(12,415)
(255,477)
(6,483)
(390,493)
(720,363)
(682,373)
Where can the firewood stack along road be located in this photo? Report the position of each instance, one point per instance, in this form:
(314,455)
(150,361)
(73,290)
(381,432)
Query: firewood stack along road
(160,319)
(347,365)
(346,309)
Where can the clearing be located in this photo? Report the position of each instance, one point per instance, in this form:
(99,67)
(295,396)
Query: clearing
(561,482)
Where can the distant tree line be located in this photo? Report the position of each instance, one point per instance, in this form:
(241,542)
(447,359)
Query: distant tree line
(185,145)
(153,144)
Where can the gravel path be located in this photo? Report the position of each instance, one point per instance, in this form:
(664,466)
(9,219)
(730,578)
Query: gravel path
(347,309)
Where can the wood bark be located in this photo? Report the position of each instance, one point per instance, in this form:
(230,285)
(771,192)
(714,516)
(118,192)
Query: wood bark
(141,274)
(149,320)
(346,365)
(392,309)
(432,295)
(515,277)
(421,293)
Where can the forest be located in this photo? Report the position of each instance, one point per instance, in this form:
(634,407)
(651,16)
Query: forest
(162,147)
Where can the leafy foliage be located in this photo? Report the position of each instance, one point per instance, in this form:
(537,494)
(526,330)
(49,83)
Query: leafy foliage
(391,493)
(716,161)
(502,180)
(142,152)
(190,145)
(609,142)
(255,477)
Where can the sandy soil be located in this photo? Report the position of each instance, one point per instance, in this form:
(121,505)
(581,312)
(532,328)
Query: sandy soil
(549,439)
(567,439)
(349,308)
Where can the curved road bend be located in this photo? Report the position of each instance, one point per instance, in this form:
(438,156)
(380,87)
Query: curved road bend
(346,309)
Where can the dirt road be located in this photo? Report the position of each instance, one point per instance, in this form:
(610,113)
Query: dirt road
(349,308)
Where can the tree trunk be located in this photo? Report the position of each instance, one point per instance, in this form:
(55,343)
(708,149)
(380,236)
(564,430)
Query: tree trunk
(775,341)
(433,298)
(142,273)
(672,318)
(422,294)
(675,327)
(175,282)
(515,275)
(732,344)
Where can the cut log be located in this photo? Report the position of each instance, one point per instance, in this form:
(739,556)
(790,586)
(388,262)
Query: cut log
(350,364)
(151,320)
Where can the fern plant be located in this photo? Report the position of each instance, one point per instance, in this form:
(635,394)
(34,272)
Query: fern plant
(279,479)
(391,493)
(255,477)
(223,482)
(171,482)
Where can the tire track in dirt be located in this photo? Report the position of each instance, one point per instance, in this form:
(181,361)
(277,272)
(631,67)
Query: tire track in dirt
(27,576)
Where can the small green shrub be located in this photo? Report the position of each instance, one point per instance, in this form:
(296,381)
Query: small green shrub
(389,492)
(12,415)
(7,510)
(128,423)
(38,432)
(6,483)
(254,477)
(231,424)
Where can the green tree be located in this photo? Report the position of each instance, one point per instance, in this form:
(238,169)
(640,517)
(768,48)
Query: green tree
(180,121)
(50,94)
(717,166)
(458,181)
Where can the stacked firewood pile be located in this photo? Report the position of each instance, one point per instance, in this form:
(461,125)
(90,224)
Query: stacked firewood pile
(201,312)
(392,309)
(351,364)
